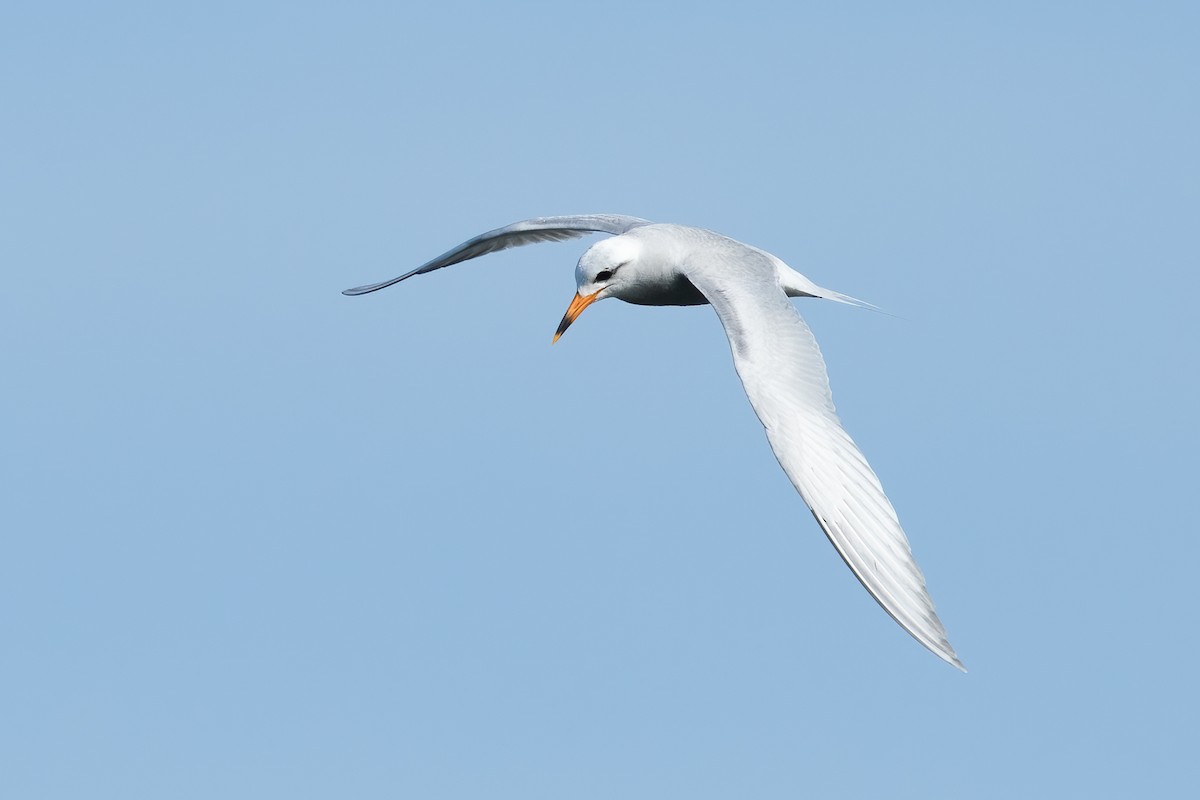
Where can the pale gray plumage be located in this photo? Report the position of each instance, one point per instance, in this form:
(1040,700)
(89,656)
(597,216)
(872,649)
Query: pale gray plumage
(783,373)
(781,369)
(529,231)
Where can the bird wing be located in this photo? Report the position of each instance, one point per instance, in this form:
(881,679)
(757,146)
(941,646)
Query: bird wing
(784,376)
(529,231)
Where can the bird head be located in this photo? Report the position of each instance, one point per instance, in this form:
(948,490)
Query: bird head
(604,270)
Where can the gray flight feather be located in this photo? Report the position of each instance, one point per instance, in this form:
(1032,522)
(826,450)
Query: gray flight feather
(529,231)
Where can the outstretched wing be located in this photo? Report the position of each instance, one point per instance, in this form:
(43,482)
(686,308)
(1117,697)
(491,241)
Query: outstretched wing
(784,376)
(529,231)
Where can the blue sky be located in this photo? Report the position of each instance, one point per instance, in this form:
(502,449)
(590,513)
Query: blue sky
(260,539)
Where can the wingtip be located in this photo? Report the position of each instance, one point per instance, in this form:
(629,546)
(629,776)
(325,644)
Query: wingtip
(948,655)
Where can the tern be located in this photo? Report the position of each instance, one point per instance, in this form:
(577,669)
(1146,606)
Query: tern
(778,361)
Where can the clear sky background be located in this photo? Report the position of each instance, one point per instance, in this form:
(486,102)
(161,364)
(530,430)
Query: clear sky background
(263,540)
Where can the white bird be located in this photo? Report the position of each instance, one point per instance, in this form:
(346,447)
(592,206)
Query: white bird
(780,365)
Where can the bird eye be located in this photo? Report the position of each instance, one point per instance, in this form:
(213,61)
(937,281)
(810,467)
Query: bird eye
(605,274)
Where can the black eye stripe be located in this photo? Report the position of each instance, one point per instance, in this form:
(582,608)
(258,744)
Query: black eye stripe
(605,274)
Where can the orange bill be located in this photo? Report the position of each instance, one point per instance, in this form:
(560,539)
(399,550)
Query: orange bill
(578,304)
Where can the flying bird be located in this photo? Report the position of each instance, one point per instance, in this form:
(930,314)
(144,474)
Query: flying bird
(778,361)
